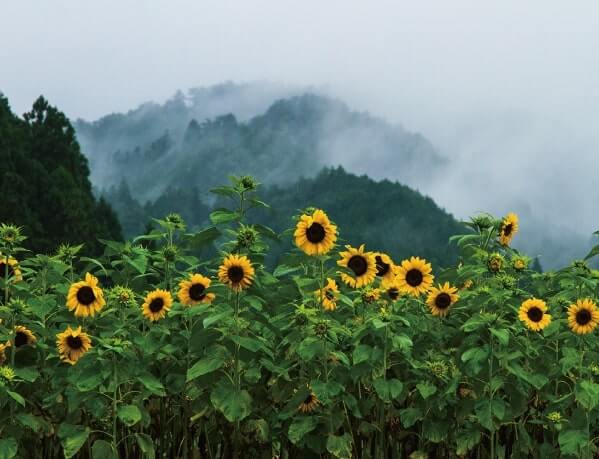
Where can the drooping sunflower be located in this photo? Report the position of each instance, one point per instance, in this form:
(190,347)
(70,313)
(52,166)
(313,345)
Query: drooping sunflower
(533,312)
(441,298)
(157,304)
(385,268)
(85,297)
(315,234)
(193,290)
(236,271)
(361,263)
(508,228)
(328,295)
(309,404)
(24,337)
(72,344)
(583,316)
(14,273)
(414,276)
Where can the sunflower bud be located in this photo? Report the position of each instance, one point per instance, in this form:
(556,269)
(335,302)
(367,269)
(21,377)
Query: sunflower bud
(520,263)
(507,282)
(7,373)
(66,252)
(483,222)
(321,328)
(555,416)
(594,367)
(581,266)
(124,296)
(10,236)
(247,236)
(370,295)
(169,253)
(418,455)
(468,283)
(438,368)
(175,220)
(248,183)
(495,262)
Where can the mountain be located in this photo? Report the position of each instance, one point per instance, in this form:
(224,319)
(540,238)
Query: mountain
(159,146)
(45,182)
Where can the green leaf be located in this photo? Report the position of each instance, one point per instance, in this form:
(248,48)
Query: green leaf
(223,216)
(204,366)
(146,445)
(340,446)
(466,441)
(488,410)
(28,374)
(409,416)
(587,394)
(8,448)
(29,420)
(426,389)
(72,438)
(402,343)
(389,389)
(102,450)
(502,335)
(16,397)
(89,379)
(204,237)
(140,264)
(233,403)
(151,383)
(361,353)
(283,270)
(129,414)
(435,430)
(251,344)
(309,348)
(572,442)
(300,427)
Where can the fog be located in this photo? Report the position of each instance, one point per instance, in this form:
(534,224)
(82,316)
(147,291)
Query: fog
(508,91)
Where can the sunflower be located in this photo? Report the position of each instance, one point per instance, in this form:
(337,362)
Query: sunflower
(361,263)
(14,272)
(508,229)
(3,352)
(309,404)
(385,268)
(392,290)
(72,344)
(193,290)
(85,297)
(157,304)
(315,234)
(236,272)
(414,276)
(583,316)
(370,295)
(440,299)
(328,295)
(533,312)
(23,337)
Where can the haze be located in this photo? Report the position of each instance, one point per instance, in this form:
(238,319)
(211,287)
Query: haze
(509,91)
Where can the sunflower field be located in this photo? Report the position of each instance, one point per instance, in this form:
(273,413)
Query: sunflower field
(198,345)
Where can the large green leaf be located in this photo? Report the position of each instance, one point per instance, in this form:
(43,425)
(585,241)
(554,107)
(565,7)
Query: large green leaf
(340,446)
(103,450)
(146,445)
(8,448)
(587,394)
(72,438)
(151,383)
(573,442)
(129,414)
(205,366)
(300,427)
(233,403)
(389,389)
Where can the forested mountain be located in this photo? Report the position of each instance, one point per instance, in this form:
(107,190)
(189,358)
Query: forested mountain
(294,137)
(45,184)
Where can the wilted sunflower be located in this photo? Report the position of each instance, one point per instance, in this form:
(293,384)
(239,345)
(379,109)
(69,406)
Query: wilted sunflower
(309,404)
(14,272)
(508,229)
(361,263)
(193,290)
(385,268)
(533,312)
(328,294)
(85,297)
(72,344)
(315,234)
(157,304)
(440,299)
(414,276)
(23,337)
(236,272)
(583,316)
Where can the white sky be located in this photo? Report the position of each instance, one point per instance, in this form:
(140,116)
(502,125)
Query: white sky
(509,86)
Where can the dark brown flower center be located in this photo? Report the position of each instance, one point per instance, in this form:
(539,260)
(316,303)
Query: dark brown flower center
(443,300)
(309,399)
(156,305)
(583,317)
(11,271)
(358,265)
(74,342)
(507,229)
(382,268)
(20,339)
(235,274)
(85,295)
(329,295)
(535,314)
(196,292)
(414,277)
(315,233)
(393,293)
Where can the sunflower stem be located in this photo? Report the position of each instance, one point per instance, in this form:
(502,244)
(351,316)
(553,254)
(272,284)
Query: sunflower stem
(114,405)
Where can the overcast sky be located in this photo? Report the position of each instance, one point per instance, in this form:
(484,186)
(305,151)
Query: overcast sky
(510,86)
